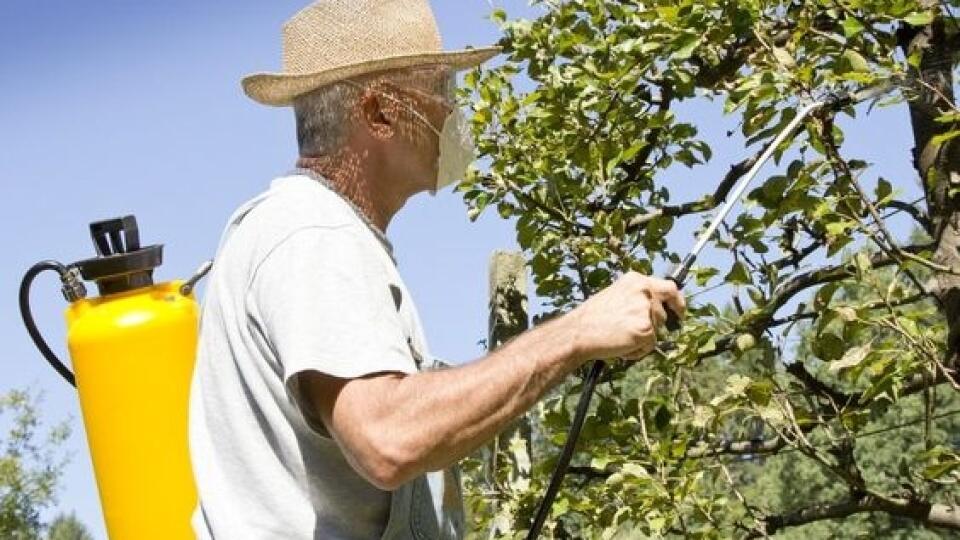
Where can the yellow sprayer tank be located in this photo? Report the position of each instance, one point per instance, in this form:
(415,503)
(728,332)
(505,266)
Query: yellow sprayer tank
(132,350)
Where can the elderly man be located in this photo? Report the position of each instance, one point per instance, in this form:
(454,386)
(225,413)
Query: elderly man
(314,412)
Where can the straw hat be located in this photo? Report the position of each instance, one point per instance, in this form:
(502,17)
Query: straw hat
(332,40)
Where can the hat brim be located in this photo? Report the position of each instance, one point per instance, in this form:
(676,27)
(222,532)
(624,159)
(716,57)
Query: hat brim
(280,89)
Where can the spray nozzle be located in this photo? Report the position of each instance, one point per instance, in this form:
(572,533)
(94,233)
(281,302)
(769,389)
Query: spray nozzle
(837,100)
(840,99)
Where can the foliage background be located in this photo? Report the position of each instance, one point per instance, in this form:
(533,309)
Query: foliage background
(833,285)
(31,467)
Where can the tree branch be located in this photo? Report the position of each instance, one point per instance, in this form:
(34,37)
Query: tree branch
(795,258)
(824,275)
(838,398)
(934,515)
(915,212)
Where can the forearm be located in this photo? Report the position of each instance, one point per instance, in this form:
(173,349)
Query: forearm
(393,427)
(435,418)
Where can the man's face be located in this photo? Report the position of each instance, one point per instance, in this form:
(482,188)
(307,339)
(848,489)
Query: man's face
(423,100)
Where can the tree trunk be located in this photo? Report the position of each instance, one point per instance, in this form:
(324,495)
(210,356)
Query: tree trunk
(937,164)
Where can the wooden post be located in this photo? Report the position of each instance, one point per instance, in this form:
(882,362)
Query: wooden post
(509,317)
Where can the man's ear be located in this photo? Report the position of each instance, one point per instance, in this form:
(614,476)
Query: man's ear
(378,114)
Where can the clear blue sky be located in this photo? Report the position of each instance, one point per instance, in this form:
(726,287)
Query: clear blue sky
(116,107)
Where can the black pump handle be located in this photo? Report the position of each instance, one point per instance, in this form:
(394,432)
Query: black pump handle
(107,238)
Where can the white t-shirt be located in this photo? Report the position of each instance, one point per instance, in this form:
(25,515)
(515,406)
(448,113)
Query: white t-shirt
(300,282)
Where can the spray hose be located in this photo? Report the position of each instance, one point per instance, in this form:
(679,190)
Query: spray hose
(833,102)
(73,289)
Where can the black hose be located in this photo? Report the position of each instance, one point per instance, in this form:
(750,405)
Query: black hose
(678,276)
(27,315)
(563,462)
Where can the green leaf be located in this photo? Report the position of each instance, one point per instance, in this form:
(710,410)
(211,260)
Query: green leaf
(686,44)
(737,385)
(561,507)
(938,470)
(830,346)
(884,190)
(784,57)
(756,296)
(702,416)
(909,326)
(759,392)
(708,346)
(702,274)
(632,150)
(836,228)
(920,18)
(851,27)
(634,470)
(915,58)
(824,295)
(615,480)
(846,313)
(862,261)
(856,60)
(738,274)
(851,358)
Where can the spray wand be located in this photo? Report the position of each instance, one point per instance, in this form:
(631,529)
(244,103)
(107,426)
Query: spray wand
(833,102)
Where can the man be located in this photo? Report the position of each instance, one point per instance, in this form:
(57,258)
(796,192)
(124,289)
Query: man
(314,412)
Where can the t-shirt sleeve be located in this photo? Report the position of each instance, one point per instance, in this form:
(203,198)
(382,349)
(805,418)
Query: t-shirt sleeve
(322,296)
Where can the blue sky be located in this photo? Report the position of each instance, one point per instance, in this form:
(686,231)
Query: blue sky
(117,107)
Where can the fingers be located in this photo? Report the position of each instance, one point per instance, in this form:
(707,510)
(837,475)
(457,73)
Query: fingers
(663,294)
(657,313)
(666,292)
(660,295)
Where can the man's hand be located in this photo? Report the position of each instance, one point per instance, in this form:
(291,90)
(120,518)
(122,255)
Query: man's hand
(621,320)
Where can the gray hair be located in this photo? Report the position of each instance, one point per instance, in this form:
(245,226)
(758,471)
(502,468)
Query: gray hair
(323,115)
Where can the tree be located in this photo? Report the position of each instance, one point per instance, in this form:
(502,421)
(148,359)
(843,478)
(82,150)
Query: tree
(583,131)
(29,469)
(68,527)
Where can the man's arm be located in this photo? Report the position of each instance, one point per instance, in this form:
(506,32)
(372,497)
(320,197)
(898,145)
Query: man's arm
(393,427)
